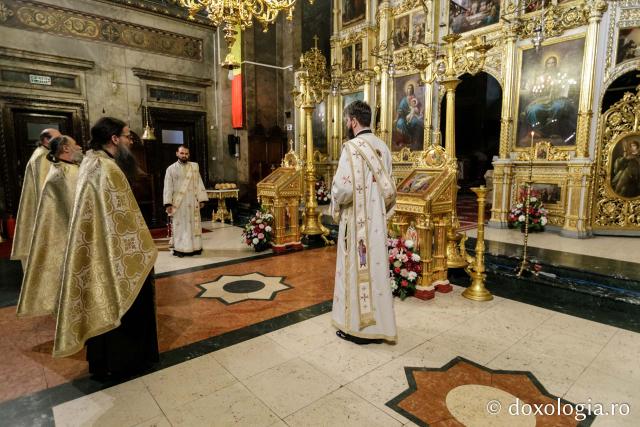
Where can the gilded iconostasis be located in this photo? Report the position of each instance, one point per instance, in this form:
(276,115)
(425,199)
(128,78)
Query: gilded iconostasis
(535,72)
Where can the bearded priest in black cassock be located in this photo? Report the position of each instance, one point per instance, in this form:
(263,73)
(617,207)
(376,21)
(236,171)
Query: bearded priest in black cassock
(107,298)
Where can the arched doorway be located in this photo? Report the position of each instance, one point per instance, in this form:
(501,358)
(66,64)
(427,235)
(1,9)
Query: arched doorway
(627,82)
(478,110)
(616,185)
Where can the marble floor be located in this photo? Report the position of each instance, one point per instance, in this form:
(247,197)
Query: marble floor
(246,339)
(612,247)
(222,243)
(302,374)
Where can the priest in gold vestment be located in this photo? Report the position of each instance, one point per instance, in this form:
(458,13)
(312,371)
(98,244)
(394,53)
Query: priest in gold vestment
(363,194)
(107,295)
(43,273)
(34,176)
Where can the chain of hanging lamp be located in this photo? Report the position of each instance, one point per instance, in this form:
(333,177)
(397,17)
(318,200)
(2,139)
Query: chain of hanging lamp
(233,14)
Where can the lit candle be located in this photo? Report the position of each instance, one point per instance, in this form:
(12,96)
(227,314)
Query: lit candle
(531,139)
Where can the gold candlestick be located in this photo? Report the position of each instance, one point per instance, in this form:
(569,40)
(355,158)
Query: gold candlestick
(315,86)
(475,268)
(524,265)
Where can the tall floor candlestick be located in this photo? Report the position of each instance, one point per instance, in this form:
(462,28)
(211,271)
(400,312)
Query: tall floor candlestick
(524,265)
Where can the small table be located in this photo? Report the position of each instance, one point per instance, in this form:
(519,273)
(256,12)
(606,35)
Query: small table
(222,213)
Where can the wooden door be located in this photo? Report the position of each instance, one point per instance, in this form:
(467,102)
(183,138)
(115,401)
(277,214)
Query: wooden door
(23,132)
(172,128)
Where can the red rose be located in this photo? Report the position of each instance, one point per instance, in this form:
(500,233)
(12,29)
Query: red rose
(396,270)
(404,283)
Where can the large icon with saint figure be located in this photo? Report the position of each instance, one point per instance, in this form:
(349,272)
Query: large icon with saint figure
(468,15)
(353,10)
(625,167)
(550,93)
(408,123)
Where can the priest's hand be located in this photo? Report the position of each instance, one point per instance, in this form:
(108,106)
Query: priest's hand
(169,210)
(201,205)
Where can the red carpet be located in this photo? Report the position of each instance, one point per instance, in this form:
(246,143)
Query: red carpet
(468,211)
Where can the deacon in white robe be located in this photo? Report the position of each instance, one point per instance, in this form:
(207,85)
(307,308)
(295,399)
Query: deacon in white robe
(362,197)
(184,194)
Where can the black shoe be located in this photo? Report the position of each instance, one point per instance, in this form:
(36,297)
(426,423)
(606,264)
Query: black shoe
(357,340)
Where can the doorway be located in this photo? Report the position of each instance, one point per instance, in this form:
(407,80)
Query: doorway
(173,128)
(478,110)
(22,122)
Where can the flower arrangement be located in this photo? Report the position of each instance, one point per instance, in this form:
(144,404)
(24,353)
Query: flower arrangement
(404,267)
(258,231)
(322,194)
(537,212)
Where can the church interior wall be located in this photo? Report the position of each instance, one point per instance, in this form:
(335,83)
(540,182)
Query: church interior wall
(568,164)
(111,85)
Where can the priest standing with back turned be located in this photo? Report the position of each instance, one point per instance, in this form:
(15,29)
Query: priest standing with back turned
(39,294)
(34,175)
(363,194)
(107,295)
(184,194)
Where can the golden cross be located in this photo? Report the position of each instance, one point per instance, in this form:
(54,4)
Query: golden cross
(315,39)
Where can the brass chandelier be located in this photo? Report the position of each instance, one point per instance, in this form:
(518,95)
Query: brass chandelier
(231,14)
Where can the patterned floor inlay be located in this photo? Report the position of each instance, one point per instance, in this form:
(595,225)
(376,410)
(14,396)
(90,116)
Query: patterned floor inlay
(235,289)
(463,393)
(183,319)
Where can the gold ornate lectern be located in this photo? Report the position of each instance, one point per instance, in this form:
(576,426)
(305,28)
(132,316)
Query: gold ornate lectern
(425,202)
(222,213)
(280,193)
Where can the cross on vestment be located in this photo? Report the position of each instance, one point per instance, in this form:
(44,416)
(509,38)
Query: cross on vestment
(361,222)
(359,189)
(364,298)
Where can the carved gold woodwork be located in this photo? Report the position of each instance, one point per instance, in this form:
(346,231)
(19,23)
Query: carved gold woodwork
(407,5)
(549,152)
(425,199)
(567,166)
(543,173)
(280,194)
(557,20)
(612,211)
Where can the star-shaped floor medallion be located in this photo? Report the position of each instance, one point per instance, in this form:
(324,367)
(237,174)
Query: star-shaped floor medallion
(234,289)
(463,393)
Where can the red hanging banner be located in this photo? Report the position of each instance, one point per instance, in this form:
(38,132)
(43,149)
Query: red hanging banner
(236,100)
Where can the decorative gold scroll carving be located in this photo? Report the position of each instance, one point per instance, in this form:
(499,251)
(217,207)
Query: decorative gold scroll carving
(557,20)
(352,80)
(34,16)
(611,211)
(407,5)
(354,37)
(550,153)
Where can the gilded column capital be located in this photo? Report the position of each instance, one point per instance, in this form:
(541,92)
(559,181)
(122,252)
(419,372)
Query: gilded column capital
(450,84)
(510,30)
(597,8)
